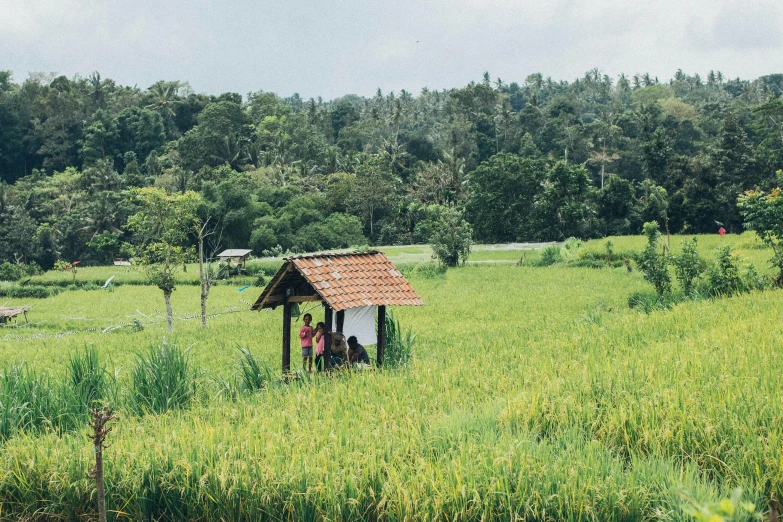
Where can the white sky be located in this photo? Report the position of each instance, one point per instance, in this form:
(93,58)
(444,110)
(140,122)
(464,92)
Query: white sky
(332,48)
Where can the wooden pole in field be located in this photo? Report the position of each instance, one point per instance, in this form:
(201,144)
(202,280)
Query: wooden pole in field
(381,345)
(99,431)
(286,336)
(328,337)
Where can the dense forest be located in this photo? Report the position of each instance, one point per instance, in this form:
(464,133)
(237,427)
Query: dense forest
(537,160)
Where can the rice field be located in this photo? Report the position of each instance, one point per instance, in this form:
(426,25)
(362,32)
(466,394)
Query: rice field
(534,394)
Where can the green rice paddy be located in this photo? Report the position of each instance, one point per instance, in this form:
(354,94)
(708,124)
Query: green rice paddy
(535,394)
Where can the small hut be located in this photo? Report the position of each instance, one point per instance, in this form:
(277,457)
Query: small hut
(236,257)
(7,314)
(341,282)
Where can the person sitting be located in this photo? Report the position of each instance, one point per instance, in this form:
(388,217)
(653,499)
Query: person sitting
(339,349)
(356,352)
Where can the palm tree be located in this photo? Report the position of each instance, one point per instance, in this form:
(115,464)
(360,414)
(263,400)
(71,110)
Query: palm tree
(164,97)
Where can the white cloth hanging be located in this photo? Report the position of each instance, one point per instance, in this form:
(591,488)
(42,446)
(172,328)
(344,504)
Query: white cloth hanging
(361,323)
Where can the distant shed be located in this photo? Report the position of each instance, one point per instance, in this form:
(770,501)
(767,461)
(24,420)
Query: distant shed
(237,256)
(340,282)
(6,314)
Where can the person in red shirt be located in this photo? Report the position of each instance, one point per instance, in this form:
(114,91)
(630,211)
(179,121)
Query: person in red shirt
(306,336)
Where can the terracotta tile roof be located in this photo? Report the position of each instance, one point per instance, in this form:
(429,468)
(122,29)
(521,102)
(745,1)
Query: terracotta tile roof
(347,280)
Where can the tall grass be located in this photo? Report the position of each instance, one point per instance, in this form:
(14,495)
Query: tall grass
(252,376)
(399,343)
(162,379)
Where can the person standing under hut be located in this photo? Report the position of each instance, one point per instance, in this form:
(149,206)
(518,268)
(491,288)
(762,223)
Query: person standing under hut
(356,352)
(319,346)
(306,336)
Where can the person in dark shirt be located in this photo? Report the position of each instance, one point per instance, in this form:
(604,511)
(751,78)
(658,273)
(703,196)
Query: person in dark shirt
(356,351)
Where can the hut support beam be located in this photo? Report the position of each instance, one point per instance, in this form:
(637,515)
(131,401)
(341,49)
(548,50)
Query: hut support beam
(328,337)
(286,336)
(381,346)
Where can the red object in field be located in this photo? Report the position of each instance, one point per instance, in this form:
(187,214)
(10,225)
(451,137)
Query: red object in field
(722,231)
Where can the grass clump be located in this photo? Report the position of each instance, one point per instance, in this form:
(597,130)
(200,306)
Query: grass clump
(399,344)
(253,377)
(162,379)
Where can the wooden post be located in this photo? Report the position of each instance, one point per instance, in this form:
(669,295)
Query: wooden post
(286,336)
(327,337)
(381,345)
(339,321)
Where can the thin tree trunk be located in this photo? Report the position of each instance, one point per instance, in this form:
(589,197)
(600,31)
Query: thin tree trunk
(169,312)
(204,282)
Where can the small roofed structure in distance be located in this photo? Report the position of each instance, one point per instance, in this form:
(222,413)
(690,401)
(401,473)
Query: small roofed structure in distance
(339,281)
(7,314)
(235,258)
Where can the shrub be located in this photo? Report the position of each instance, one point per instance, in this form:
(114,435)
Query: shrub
(550,255)
(399,344)
(572,246)
(752,280)
(161,380)
(687,267)
(723,277)
(655,266)
(17,271)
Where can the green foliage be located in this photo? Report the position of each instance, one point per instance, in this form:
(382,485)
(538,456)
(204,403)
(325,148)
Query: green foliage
(253,377)
(655,265)
(17,291)
(429,270)
(88,380)
(723,277)
(162,379)
(451,238)
(17,271)
(732,509)
(688,266)
(763,213)
(550,255)
(161,227)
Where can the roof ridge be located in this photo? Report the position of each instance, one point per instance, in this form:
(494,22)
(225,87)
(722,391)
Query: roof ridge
(333,254)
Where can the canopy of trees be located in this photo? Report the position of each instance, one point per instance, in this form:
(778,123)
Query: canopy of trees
(536,160)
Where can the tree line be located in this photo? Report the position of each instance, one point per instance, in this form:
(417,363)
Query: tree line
(532,161)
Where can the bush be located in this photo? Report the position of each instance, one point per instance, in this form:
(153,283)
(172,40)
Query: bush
(550,255)
(723,277)
(15,272)
(399,345)
(655,266)
(687,267)
(161,380)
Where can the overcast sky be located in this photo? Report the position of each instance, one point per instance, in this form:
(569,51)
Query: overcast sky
(331,48)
